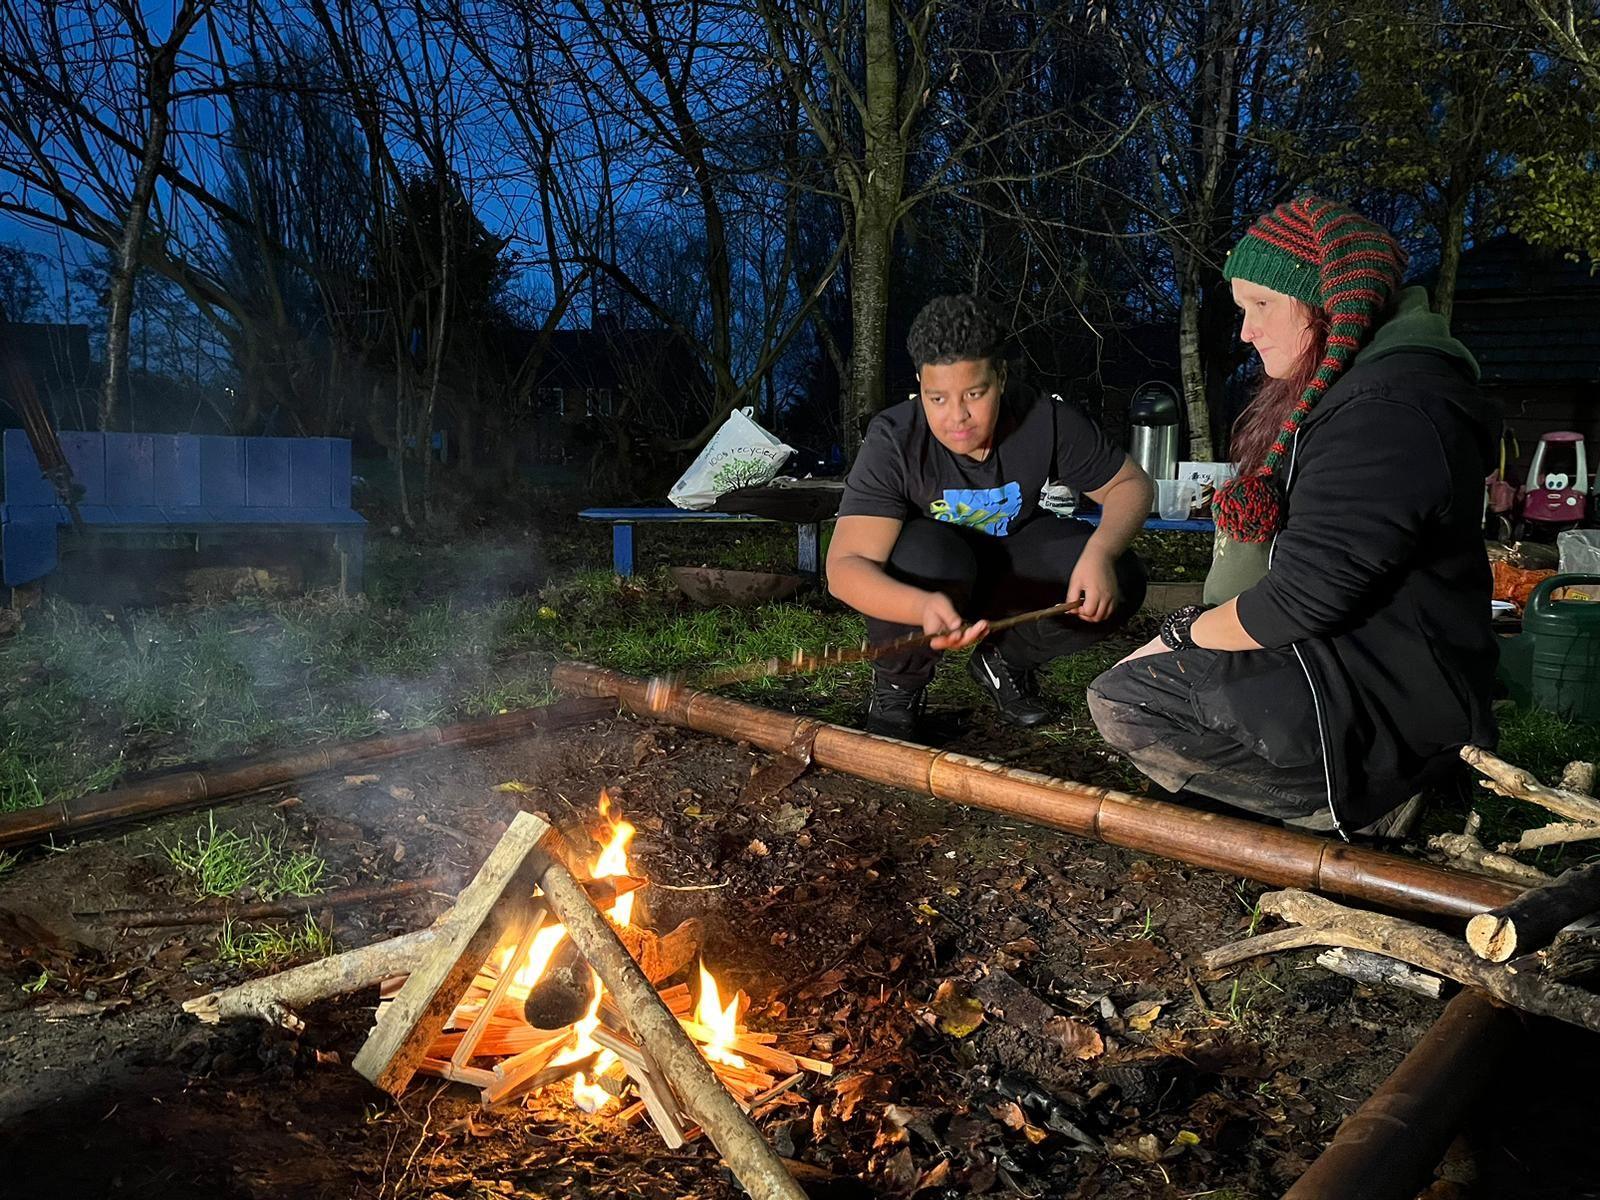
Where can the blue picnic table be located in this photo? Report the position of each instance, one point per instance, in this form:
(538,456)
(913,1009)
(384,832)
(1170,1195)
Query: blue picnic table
(808,534)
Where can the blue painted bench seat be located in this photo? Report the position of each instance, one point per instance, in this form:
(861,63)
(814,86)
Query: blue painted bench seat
(179,483)
(1161,525)
(808,535)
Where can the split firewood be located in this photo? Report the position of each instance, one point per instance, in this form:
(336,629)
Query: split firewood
(1518,784)
(748,1155)
(1558,834)
(273,998)
(1325,923)
(566,990)
(1467,853)
(1533,918)
(216,914)
(1376,969)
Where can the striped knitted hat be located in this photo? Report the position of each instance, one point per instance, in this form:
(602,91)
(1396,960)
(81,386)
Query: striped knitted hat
(1341,264)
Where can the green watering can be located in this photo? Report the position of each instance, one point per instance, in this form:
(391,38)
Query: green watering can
(1554,664)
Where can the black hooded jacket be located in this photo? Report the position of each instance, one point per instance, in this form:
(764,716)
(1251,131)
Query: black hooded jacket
(1378,578)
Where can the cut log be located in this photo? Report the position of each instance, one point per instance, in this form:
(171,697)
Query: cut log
(1533,918)
(1329,924)
(1513,781)
(1376,969)
(497,903)
(1467,853)
(747,1154)
(1558,834)
(274,998)
(217,914)
(566,990)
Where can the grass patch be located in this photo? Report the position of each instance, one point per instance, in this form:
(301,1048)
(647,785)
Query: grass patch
(8,859)
(221,862)
(256,949)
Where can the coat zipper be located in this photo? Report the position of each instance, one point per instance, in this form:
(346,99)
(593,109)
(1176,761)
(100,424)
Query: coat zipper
(1316,700)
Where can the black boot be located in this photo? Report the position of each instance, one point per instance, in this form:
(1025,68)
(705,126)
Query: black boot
(895,709)
(1014,691)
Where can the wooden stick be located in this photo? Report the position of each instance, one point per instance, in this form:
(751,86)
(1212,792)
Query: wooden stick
(216,914)
(752,1161)
(1255,947)
(1513,781)
(1467,853)
(1536,916)
(498,897)
(273,998)
(1330,924)
(1558,834)
(1376,969)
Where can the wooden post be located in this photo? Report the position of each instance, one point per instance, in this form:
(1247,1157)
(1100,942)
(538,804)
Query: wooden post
(498,898)
(753,1162)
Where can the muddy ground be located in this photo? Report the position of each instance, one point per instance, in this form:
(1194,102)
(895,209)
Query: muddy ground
(1107,1064)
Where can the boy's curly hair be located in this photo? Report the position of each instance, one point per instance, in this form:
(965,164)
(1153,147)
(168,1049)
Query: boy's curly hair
(955,329)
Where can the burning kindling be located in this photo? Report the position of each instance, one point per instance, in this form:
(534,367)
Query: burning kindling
(535,1014)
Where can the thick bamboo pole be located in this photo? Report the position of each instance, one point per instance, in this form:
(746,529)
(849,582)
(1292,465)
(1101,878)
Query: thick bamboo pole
(1388,1147)
(220,781)
(1281,857)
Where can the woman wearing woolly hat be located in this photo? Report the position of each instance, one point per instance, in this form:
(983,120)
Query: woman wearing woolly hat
(1347,654)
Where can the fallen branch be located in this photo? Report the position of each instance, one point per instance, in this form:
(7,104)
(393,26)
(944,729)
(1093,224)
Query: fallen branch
(1329,924)
(1533,918)
(1558,834)
(1578,777)
(273,998)
(1376,969)
(216,914)
(1467,853)
(1518,784)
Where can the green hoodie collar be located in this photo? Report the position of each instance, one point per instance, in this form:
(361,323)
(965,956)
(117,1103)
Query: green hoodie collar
(1413,327)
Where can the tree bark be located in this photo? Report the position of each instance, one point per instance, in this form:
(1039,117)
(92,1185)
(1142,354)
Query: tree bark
(1452,234)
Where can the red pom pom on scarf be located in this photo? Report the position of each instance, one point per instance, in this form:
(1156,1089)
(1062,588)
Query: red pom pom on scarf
(1249,509)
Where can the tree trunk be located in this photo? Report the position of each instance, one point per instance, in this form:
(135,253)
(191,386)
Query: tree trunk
(125,261)
(877,194)
(1195,402)
(1451,236)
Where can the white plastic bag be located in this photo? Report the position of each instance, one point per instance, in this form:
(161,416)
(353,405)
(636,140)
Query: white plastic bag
(740,454)
(1580,551)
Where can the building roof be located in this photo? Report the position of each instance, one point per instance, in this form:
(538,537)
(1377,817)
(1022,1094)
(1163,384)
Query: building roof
(1530,317)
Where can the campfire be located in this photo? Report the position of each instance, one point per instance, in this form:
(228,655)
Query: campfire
(536,1015)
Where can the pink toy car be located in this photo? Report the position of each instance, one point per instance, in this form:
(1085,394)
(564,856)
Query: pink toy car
(1556,496)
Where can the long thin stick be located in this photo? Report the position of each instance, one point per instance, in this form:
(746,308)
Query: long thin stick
(804,662)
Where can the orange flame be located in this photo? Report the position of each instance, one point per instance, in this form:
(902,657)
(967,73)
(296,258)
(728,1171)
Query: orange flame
(723,1023)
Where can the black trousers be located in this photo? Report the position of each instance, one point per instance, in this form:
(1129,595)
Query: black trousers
(993,577)
(1238,727)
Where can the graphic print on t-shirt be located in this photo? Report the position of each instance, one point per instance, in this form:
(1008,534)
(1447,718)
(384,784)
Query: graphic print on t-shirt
(988,510)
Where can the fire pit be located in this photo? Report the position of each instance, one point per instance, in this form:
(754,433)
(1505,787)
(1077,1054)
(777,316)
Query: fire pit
(536,1015)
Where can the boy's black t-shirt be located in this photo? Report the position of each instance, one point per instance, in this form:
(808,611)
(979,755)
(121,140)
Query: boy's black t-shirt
(903,471)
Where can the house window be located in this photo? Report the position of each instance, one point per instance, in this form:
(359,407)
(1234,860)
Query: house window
(552,399)
(597,401)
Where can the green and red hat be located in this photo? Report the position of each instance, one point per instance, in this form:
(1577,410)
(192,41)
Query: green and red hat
(1344,266)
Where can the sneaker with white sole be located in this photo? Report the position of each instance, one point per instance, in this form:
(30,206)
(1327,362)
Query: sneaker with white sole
(895,711)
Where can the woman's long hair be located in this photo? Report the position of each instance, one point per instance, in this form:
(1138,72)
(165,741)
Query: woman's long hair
(1259,424)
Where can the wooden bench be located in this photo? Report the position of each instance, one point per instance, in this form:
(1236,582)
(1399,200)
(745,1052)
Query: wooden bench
(199,486)
(808,535)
